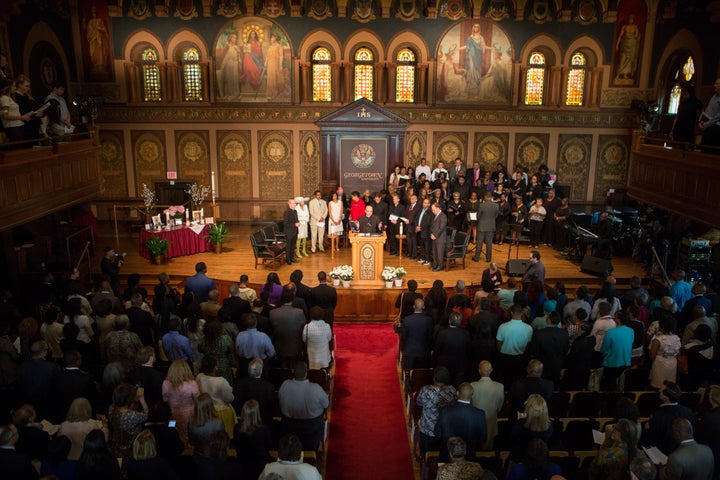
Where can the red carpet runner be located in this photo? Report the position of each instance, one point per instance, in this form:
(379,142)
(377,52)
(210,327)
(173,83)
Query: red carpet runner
(367,437)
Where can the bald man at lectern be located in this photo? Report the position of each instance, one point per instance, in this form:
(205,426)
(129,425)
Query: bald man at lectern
(369,223)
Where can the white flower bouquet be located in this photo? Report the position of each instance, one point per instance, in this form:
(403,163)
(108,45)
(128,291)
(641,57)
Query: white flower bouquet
(343,272)
(198,193)
(400,272)
(388,274)
(148,197)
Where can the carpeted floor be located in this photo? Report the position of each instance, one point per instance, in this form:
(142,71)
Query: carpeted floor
(367,437)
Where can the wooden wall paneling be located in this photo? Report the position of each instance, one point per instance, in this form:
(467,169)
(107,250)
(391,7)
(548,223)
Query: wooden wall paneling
(277,169)
(234,164)
(613,158)
(112,163)
(531,151)
(448,146)
(193,159)
(574,164)
(309,162)
(491,149)
(149,156)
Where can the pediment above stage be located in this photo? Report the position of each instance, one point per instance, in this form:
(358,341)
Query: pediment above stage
(363,115)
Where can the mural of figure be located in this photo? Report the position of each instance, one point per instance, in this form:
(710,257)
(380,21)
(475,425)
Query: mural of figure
(474,50)
(452,81)
(627,47)
(496,82)
(252,60)
(97,39)
(274,68)
(231,68)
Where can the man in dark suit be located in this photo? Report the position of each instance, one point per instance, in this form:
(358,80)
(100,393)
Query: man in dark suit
(288,323)
(199,284)
(290,229)
(35,378)
(521,389)
(416,332)
(659,429)
(412,214)
(380,207)
(302,291)
(141,321)
(438,235)
(406,300)
(456,171)
(691,460)
(452,349)
(255,388)
(464,421)
(69,385)
(17,466)
(325,297)
(487,213)
(145,375)
(549,345)
(399,210)
(422,230)
(237,306)
(369,223)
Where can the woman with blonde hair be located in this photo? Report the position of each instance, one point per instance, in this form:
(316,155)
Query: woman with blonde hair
(180,390)
(534,422)
(253,440)
(78,423)
(144,464)
(205,422)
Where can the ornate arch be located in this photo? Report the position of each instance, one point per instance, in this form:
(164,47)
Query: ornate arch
(142,36)
(317,38)
(548,44)
(364,38)
(186,36)
(41,32)
(409,38)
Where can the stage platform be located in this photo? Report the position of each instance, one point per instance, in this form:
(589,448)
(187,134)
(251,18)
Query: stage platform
(355,304)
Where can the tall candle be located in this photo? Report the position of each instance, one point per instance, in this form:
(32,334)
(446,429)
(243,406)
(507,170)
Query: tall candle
(187,214)
(212,185)
(202,215)
(401,227)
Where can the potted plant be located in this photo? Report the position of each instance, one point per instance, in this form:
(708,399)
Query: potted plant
(388,274)
(216,236)
(158,248)
(344,273)
(399,274)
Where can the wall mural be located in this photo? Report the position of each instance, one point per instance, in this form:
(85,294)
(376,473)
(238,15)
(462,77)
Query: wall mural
(474,64)
(148,157)
(531,151)
(193,161)
(309,162)
(491,149)
(574,164)
(612,164)
(234,163)
(96,40)
(112,163)
(415,148)
(252,61)
(629,31)
(448,147)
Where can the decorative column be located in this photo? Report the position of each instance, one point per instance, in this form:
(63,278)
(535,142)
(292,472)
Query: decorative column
(305,83)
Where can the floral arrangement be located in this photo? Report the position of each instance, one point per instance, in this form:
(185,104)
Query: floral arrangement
(388,274)
(148,197)
(400,272)
(343,272)
(198,193)
(175,211)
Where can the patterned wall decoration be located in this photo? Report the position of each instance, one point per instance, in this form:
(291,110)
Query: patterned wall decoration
(276,165)
(612,164)
(112,164)
(448,147)
(309,162)
(234,163)
(415,148)
(491,148)
(574,164)
(531,150)
(193,161)
(148,156)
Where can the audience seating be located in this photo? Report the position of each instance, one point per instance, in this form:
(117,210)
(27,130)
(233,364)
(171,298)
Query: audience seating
(577,434)
(558,404)
(277,376)
(319,376)
(585,404)
(418,378)
(647,403)
(636,379)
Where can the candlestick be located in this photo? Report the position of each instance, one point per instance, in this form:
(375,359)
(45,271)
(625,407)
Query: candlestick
(202,215)
(187,215)
(212,185)
(401,228)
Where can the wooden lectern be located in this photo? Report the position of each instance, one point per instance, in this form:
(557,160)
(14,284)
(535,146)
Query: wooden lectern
(367,259)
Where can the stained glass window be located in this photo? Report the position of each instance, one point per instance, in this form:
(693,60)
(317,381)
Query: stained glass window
(535,79)
(192,76)
(576,80)
(364,74)
(321,75)
(689,69)
(151,76)
(405,76)
(674,99)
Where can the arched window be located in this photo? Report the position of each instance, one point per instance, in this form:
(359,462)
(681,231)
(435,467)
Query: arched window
(364,74)
(321,75)
(576,80)
(151,76)
(535,79)
(689,69)
(192,76)
(674,99)
(405,76)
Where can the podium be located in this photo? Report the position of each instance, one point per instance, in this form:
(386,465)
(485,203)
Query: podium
(367,258)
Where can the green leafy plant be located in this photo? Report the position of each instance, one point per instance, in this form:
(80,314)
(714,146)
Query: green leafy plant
(157,245)
(216,234)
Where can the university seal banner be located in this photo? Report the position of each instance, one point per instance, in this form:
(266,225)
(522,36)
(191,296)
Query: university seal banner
(363,164)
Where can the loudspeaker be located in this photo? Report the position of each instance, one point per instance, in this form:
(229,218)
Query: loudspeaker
(596,266)
(516,268)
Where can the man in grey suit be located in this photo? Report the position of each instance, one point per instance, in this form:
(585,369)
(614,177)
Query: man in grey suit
(438,235)
(691,460)
(288,323)
(488,396)
(487,213)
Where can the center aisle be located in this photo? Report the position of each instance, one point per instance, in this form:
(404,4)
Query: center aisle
(367,436)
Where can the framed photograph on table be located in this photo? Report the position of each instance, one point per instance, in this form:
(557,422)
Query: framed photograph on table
(197,216)
(156,222)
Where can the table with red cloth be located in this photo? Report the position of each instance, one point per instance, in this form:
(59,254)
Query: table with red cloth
(183,241)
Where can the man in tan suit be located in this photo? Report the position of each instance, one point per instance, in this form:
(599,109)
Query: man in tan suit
(318,215)
(488,396)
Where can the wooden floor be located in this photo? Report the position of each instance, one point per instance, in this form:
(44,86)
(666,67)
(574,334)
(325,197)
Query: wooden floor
(237,259)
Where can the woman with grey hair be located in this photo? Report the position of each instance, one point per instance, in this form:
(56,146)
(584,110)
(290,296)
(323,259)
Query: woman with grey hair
(459,468)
